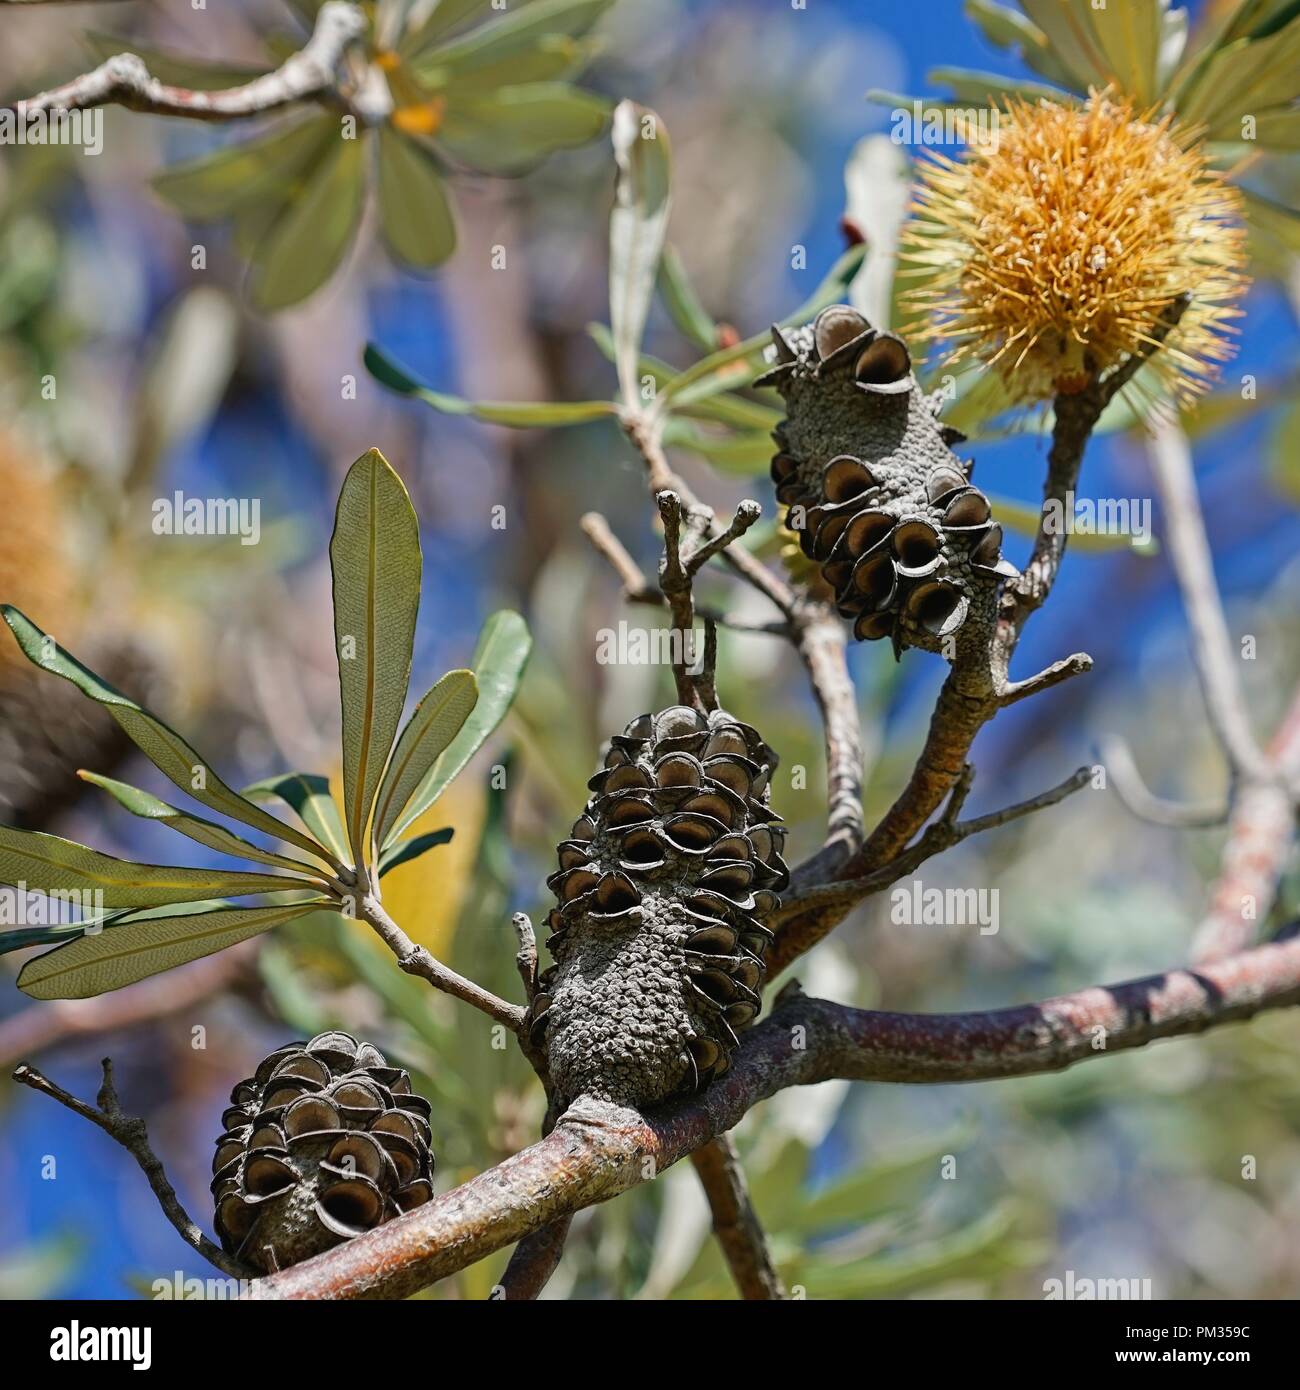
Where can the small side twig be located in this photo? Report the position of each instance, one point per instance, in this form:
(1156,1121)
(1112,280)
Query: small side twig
(416,960)
(735,1222)
(130,1132)
(526,957)
(812,910)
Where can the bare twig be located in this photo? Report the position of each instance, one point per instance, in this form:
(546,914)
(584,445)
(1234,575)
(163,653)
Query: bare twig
(1189,552)
(1138,798)
(598,1150)
(124,80)
(807,914)
(130,1132)
(638,589)
(416,960)
(735,1222)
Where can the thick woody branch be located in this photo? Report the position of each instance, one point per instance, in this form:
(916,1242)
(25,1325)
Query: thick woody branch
(598,1150)
(735,1222)
(130,1132)
(124,80)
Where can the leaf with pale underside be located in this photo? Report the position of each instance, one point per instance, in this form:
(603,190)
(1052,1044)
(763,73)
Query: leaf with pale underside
(519,414)
(376,563)
(637,227)
(308,793)
(147,945)
(437,720)
(205,832)
(499,661)
(50,864)
(162,745)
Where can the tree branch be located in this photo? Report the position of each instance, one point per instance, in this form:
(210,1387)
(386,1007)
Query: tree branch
(598,1150)
(130,1132)
(805,916)
(416,960)
(979,685)
(124,80)
(735,1222)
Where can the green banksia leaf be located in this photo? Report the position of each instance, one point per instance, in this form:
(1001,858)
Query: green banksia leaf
(438,718)
(264,169)
(376,563)
(323,1142)
(499,661)
(173,68)
(308,793)
(306,243)
(521,415)
(511,130)
(403,851)
(137,946)
(50,864)
(205,832)
(637,227)
(413,204)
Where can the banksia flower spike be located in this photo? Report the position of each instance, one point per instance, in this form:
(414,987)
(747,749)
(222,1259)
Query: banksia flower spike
(323,1142)
(872,489)
(1053,250)
(663,885)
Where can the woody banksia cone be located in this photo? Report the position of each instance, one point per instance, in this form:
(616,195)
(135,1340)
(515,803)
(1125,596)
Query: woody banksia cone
(873,491)
(325,1141)
(658,940)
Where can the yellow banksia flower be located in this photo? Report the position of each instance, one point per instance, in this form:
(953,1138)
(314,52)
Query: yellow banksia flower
(1052,250)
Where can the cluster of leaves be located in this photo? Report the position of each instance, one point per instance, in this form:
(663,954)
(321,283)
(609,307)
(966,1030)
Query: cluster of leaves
(157,916)
(491,97)
(708,407)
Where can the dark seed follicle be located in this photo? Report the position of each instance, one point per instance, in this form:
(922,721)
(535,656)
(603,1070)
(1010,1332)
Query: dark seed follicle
(663,887)
(873,491)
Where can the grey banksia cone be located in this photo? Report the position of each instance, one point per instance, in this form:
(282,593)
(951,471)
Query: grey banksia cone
(325,1141)
(875,494)
(658,937)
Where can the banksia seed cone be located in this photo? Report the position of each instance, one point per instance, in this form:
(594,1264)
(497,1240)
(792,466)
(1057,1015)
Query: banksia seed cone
(323,1142)
(658,939)
(874,493)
